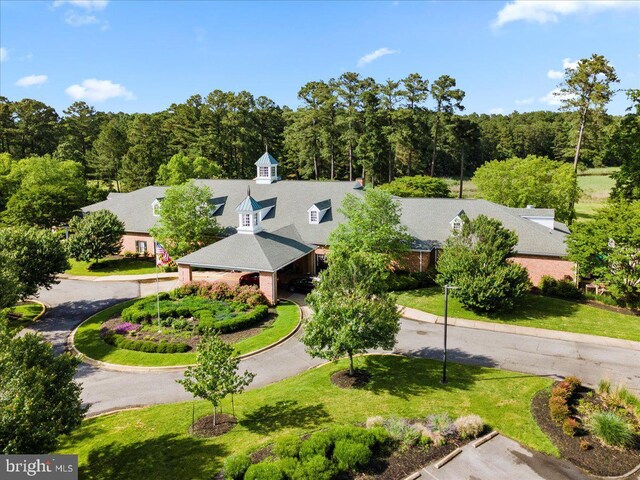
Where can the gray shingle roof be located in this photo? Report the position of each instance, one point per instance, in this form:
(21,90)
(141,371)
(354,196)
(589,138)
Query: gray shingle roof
(323,205)
(426,218)
(532,212)
(264,251)
(266,160)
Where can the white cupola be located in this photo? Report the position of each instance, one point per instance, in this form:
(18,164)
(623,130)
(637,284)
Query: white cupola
(249,215)
(267,169)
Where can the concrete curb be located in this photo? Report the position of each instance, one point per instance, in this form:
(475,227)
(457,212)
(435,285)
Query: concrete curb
(448,458)
(169,368)
(485,439)
(41,314)
(144,278)
(420,316)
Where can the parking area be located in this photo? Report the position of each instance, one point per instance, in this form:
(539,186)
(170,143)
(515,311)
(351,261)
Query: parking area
(503,459)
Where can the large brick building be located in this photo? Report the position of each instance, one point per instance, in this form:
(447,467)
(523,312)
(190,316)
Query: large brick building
(282,227)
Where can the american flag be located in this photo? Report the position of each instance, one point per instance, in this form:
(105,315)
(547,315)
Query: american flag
(162,257)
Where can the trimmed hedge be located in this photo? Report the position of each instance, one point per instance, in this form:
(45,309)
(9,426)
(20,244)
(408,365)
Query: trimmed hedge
(410,281)
(145,345)
(550,287)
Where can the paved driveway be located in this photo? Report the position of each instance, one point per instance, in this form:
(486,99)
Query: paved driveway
(73,301)
(503,459)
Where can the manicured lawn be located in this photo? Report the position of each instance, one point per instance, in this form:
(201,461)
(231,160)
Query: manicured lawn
(120,266)
(535,311)
(29,311)
(153,442)
(88,340)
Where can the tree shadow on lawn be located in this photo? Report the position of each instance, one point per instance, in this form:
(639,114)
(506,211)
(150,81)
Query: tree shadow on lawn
(168,457)
(405,377)
(283,414)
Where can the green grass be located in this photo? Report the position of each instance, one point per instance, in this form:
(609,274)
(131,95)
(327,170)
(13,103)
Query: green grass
(535,311)
(120,266)
(288,318)
(153,442)
(29,311)
(88,340)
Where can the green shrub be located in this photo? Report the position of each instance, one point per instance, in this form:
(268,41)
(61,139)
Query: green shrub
(566,289)
(604,386)
(288,446)
(235,466)
(611,429)
(316,467)
(402,431)
(264,471)
(558,409)
(350,454)
(570,426)
(319,443)
(144,345)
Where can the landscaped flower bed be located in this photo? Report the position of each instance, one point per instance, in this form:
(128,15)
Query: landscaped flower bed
(597,430)
(174,322)
(387,449)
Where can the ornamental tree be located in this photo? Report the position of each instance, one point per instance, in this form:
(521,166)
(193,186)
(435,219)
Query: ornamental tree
(33,258)
(477,261)
(95,236)
(608,247)
(185,223)
(418,186)
(216,372)
(539,181)
(351,313)
(39,399)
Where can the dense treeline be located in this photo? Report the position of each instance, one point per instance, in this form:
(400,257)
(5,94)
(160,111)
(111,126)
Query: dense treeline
(344,128)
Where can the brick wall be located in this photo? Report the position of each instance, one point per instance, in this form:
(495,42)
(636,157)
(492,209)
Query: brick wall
(269,287)
(417,261)
(539,266)
(129,242)
(185,274)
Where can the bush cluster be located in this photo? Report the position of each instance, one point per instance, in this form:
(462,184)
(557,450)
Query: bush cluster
(410,281)
(220,291)
(145,345)
(222,315)
(324,455)
(611,429)
(561,394)
(566,289)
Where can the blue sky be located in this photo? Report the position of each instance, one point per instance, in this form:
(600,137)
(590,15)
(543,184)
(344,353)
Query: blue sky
(141,56)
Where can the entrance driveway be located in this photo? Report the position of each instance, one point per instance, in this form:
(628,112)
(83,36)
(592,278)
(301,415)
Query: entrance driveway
(503,459)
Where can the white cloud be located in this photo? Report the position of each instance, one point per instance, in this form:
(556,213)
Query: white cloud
(544,11)
(78,20)
(566,63)
(525,101)
(98,90)
(554,97)
(88,5)
(370,57)
(4,55)
(496,111)
(31,80)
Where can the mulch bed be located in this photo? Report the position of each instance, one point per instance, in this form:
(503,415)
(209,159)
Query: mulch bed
(598,459)
(611,308)
(343,379)
(203,427)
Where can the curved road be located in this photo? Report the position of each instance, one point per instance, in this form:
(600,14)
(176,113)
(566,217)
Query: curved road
(72,301)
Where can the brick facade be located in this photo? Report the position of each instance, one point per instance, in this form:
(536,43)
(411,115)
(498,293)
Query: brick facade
(185,275)
(269,286)
(539,266)
(417,261)
(129,242)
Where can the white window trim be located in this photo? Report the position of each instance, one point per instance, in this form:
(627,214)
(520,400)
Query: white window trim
(246,219)
(456,224)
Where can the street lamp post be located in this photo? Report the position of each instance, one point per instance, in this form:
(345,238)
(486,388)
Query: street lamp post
(444,353)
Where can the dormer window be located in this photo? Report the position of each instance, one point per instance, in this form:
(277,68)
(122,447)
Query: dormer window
(155,206)
(457,223)
(318,210)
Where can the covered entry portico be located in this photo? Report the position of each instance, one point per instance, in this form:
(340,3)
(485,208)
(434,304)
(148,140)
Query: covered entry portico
(263,252)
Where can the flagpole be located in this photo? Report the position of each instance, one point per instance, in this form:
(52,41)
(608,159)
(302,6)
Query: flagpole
(155,250)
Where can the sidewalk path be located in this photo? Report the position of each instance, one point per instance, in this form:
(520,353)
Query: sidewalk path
(420,316)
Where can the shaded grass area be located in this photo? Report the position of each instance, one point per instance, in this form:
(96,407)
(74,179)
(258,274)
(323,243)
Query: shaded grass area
(534,311)
(153,442)
(115,266)
(26,311)
(88,340)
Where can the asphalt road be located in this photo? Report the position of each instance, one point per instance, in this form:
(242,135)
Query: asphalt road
(73,301)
